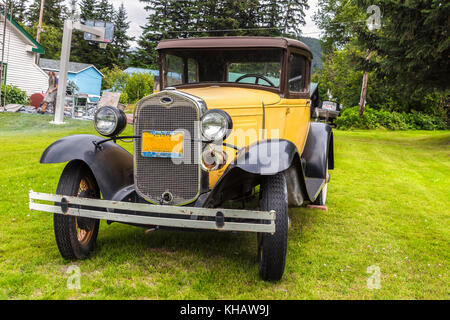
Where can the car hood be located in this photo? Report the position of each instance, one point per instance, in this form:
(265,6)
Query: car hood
(229,97)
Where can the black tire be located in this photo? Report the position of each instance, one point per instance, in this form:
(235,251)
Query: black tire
(75,236)
(272,249)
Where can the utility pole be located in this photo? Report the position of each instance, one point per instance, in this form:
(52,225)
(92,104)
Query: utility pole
(362,101)
(39,30)
(41,16)
(373,23)
(69,27)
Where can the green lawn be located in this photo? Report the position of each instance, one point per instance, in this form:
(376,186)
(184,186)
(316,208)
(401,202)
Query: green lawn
(388,207)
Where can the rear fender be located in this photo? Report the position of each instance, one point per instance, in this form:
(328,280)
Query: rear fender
(111,165)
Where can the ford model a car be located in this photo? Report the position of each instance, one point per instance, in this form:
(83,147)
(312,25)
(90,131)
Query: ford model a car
(227,145)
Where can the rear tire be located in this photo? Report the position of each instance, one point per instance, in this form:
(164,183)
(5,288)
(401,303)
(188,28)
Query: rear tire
(76,236)
(272,249)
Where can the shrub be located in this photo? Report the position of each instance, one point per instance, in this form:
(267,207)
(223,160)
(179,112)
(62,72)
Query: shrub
(114,79)
(373,119)
(132,87)
(14,95)
(138,86)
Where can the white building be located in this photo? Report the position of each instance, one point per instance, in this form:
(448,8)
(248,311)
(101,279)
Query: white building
(20,58)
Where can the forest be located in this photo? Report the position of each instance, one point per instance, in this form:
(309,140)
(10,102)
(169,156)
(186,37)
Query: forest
(406,58)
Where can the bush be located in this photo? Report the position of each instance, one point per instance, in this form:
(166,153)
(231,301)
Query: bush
(373,119)
(138,86)
(132,87)
(14,95)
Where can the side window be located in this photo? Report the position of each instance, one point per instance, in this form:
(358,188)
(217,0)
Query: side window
(174,70)
(192,71)
(297,73)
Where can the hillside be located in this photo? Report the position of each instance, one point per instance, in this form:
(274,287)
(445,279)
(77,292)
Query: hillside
(316,49)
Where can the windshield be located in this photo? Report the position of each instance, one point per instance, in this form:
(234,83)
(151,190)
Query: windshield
(257,67)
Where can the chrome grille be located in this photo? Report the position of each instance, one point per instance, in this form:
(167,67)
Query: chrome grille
(156,176)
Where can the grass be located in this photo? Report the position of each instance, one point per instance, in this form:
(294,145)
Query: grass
(388,207)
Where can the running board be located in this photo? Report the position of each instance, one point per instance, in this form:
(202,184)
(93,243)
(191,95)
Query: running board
(253,221)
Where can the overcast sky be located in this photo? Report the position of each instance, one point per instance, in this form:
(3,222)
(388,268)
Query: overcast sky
(137,15)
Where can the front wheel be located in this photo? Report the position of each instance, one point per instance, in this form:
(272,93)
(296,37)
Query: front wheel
(272,248)
(76,236)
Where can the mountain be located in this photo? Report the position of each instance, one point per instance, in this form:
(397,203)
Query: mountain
(316,48)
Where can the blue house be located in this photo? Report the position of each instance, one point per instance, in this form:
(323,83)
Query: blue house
(86,76)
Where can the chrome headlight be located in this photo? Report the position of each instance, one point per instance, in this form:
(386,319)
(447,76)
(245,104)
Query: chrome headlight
(216,125)
(110,121)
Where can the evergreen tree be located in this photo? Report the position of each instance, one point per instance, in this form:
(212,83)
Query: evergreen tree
(55,12)
(73,12)
(121,40)
(154,31)
(18,10)
(104,11)
(170,18)
(88,10)
(293,16)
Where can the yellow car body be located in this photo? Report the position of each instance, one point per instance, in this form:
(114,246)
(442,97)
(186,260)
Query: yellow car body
(285,118)
(231,126)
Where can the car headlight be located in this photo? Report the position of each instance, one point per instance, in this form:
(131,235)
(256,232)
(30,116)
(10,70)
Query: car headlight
(110,121)
(216,125)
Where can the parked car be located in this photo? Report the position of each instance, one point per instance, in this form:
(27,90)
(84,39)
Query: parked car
(231,127)
(325,111)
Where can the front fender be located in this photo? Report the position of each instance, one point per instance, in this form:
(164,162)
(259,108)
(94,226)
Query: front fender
(111,165)
(267,157)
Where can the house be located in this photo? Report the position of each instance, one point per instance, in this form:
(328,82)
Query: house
(19,58)
(86,76)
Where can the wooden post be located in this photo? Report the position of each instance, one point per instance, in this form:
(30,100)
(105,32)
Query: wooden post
(41,16)
(362,101)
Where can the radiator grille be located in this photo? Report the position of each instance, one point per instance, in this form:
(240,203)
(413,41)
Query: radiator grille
(155,176)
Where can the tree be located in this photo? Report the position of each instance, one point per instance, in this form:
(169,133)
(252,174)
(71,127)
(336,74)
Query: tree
(414,43)
(88,10)
(55,12)
(121,42)
(104,11)
(50,39)
(409,64)
(18,10)
(293,14)
(171,18)
(73,12)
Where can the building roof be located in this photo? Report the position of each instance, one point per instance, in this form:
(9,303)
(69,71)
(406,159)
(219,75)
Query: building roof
(36,46)
(132,70)
(232,42)
(74,67)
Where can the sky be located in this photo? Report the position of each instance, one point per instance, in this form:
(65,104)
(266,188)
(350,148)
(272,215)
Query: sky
(137,15)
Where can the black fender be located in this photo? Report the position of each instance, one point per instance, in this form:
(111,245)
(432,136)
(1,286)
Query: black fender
(270,157)
(318,152)
(111,165)
(267,157)
(264,158)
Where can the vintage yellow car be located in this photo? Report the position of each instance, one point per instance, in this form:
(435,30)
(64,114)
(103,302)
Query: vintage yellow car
(227,145)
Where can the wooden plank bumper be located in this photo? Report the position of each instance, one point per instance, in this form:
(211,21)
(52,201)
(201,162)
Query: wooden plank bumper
(147,214)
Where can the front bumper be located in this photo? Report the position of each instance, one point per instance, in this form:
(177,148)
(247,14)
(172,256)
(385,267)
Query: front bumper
(154,215)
